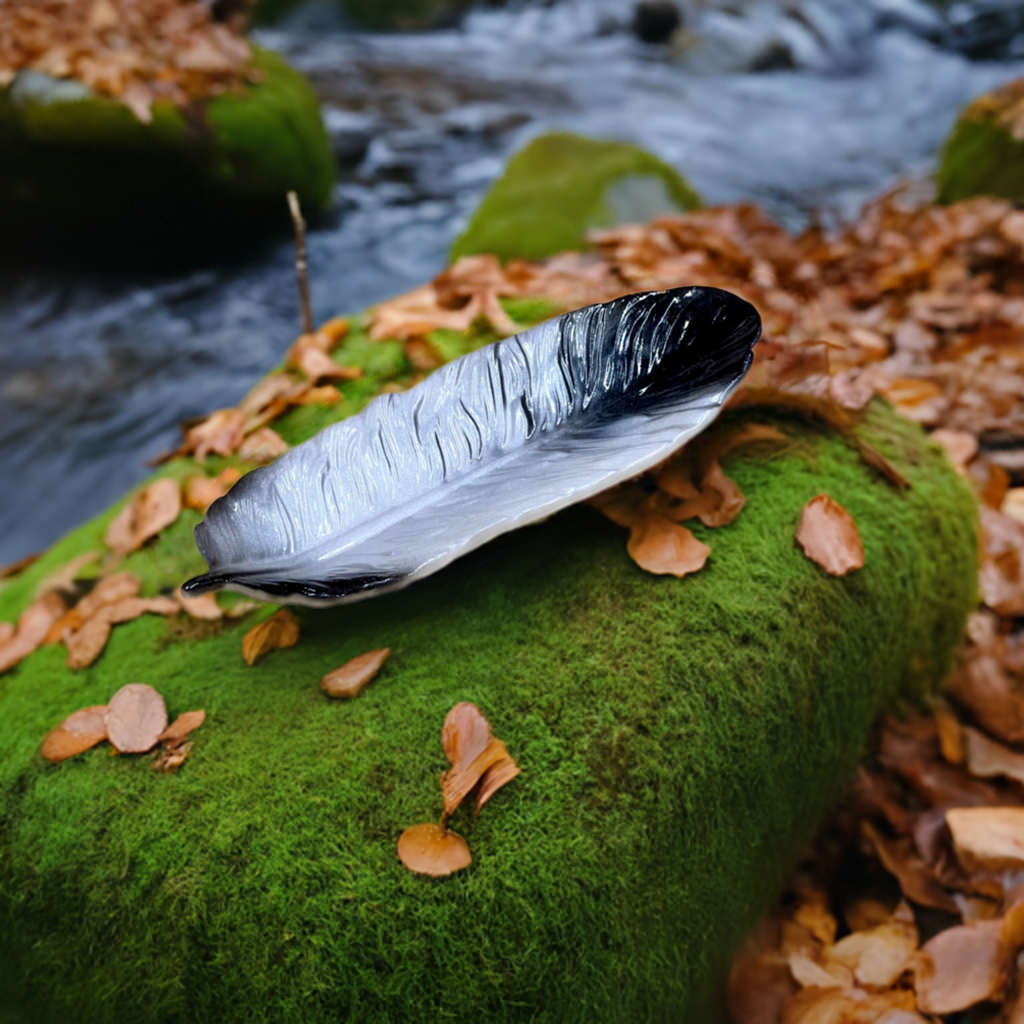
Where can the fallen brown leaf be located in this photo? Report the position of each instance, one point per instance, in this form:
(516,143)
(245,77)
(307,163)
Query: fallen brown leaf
(878,956)
(660,546)
(262,447)
(433,850)
(959,446)
(309,354)
(279,630)
(171,758)
(220,434)
(202,491)
(135,718)
(986,690)
(178,731)
(917,881)
(32,629)
(959,968)
(808,974)
(86,644)
(986,758)
(108,590)
(988,838)
(352,677)
(950,732)
(829,536)
(63,579)
(499,774)
(151,510)
(77,733)
(203,607)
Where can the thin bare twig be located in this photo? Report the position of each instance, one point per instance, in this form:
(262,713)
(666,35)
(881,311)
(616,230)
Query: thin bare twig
(301,266)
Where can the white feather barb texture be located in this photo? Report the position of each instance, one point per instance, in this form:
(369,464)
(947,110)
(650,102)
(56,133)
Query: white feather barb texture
(502,437)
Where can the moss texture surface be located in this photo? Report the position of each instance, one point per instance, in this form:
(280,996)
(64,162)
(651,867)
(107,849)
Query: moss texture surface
(679,740)
(86,172)
(984,155)
(559,186)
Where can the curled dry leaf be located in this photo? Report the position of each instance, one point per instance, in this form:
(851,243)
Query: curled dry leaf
(433,850)
(808,974)
(829,536)
(135,718)
(476,756)
(202,491)
(219,434)
(352,677)
(262,446)
(151,510)
(279,630)
(171,758)
(661,546)
(950,733)
(76,734)
(846,1006)
(986,690)
(988,838)
(878,956)
(716,501)
(960,967)
(178,731)
(1013,504)
(109,589)
(917,881)
(63,579)
(86,644)
(986,758)
(33,626)
(959,446)
(203,607)
(309,354)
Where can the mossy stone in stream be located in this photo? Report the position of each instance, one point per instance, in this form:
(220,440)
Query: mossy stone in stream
(561,185)
(679,741)
(984,155)
(81,175)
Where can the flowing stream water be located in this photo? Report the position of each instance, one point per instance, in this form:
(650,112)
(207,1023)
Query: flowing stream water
(97,371)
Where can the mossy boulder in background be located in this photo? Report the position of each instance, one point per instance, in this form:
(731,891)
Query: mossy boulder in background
(679,741)
(379,15)
(80,171)
(984,155)
(559,186)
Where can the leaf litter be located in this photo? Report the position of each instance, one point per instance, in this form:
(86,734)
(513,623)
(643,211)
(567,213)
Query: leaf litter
(480,763)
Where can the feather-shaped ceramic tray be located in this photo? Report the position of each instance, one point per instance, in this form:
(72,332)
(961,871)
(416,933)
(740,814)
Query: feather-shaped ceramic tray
(500,438)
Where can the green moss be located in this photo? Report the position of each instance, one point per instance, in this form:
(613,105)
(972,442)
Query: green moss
(679,740)
(78,169)
(984,155)
(559,186)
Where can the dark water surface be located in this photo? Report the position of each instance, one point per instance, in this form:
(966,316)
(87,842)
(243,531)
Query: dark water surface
(97,371)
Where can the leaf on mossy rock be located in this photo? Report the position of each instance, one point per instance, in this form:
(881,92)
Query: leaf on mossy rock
(32,629)
(829,536)
(476,757)
(178,731)
(716,499)
(279,630)
(219,434)
(661,546)
(86,644)
(63,579)
(431,849)
(135,718)
(201,492)
(77,733)
(350,679)
(151,510)
(262,446)
(202,607)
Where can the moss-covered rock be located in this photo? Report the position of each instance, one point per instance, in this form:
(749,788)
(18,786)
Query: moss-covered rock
(679,740)
(984,155)
(80,170)
(375,14)
(559,186)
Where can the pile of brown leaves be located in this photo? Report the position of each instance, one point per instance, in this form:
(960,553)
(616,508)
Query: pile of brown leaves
(480,764)
(137,51)
(134,722)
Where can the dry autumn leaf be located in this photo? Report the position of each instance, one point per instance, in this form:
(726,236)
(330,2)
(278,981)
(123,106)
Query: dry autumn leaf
(433,850)
(178,731)
(986,758)
(988,838)
(201,492)
(220,434)
(135,718)
(279,630)
(151,510)
(262,447)
(829,536)
(63,579)
(77,733)
(660,546)
(960,967)
(203,607)
(33,626)
(86,644)
(353,676)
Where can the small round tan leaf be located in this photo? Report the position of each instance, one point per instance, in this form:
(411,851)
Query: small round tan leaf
(136,717)
(349,680)
(829,536)
(77,733)
(431,850)
(661,546)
